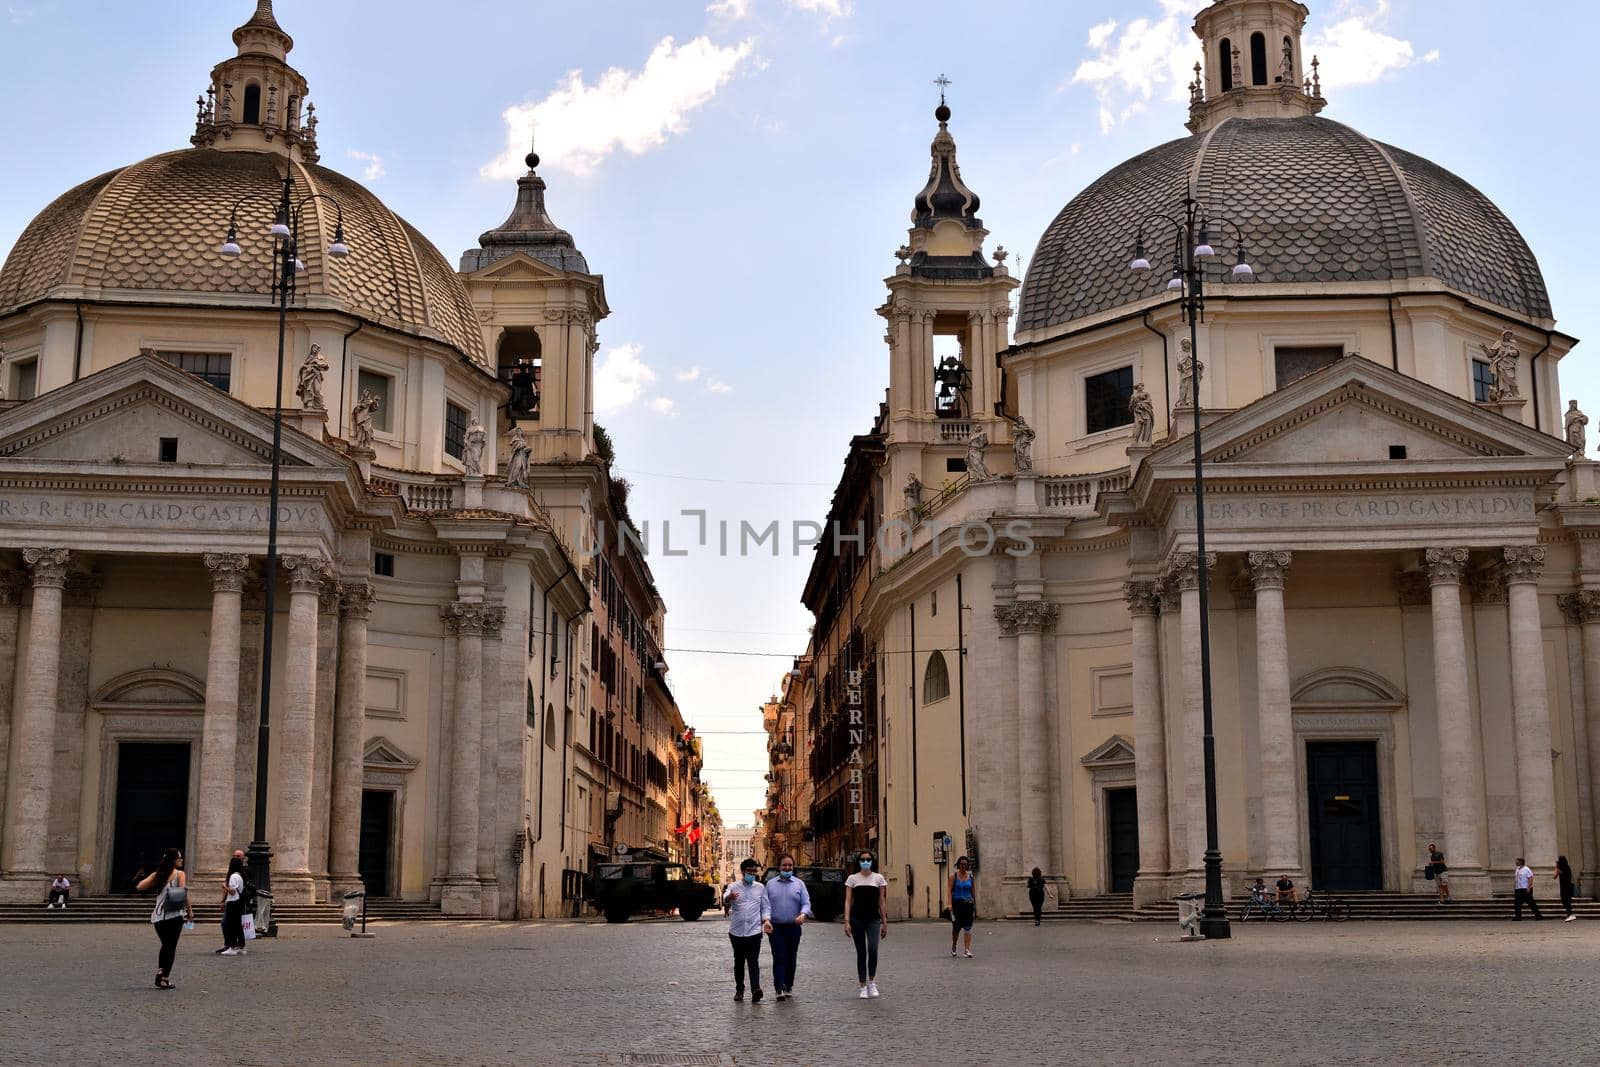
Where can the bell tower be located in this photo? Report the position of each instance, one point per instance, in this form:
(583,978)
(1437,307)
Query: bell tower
(948,310)
(1253,66)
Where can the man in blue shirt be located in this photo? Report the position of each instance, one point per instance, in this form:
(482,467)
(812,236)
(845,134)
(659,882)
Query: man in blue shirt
(790,908)
(749,915)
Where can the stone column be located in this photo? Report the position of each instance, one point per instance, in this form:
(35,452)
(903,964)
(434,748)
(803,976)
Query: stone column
(33,732)
(1030,620)
(71,727)
(1149,742)
(468,621)
(219,739)
(11,586)
(1587,608)
(251,623)
(1530,706)
(1184,573)
(344,834)
(1280,807)
(1460,770)
(291,881)
(322,735)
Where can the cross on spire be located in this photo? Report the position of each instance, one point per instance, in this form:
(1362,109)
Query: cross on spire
(943,83)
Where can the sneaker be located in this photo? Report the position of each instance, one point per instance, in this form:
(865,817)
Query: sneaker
(952,953)
(969,953)
(221,950)
(872,989)
(230,952)
(1569,918)
(864,993)
(782,995)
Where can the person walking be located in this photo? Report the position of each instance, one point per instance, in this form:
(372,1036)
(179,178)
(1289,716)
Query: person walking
(233,910)
(1035,896)
(1564,879)
(172,910)
(749,916)
(865,920)
(963,904)
(1524,884)
(790,904)
(1439,872)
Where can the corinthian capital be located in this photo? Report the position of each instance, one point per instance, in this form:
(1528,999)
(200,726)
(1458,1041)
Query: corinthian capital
(228,571)
(1444,565)
(1027,617)
(356,601)
(1522,563)
(305,573)
(1183,569)
(1580,607)
(49,566)
(1142,598)
(467,618)
(1269,570)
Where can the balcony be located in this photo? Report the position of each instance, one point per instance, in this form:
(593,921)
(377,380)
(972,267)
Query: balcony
(420,491)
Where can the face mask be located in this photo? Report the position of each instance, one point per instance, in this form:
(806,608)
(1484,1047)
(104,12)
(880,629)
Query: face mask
(749,879)
(786,875)
(866,865)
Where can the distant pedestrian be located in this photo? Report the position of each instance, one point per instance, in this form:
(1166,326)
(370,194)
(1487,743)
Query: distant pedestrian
(60,891)
(1524,884)
(1564,879)
(172,910)
(790,904)
(1035,897)
(749,916)
(963,904)
(865,922)
(1439,872)
(233,909)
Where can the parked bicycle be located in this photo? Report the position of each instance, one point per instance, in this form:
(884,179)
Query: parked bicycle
(1265,907)
(1324,907)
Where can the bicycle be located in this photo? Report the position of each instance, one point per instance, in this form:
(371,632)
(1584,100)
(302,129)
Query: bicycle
(1329,908)
(1263,907)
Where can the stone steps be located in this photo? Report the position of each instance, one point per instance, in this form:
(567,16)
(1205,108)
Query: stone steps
(137,909)
(1369,906)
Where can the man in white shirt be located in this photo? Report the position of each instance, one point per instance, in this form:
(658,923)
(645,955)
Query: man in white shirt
(749,916)
(1524,877)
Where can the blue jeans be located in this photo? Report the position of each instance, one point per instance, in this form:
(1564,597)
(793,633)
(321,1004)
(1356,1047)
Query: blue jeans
(785,938)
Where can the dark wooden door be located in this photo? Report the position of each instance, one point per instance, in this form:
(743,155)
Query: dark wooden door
(377,824)
(1342,811)
(1122,838)
(152,812)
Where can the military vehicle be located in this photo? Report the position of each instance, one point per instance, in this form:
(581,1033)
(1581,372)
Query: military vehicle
(622,890)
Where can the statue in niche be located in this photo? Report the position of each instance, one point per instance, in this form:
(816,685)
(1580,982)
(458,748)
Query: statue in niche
(1190,373)
(913,491)
(308,380)
(1576,420)
(1022,436)
(1144,415)
(977,469)
(472,445)
(521,455)
(1503,356)
(361,426)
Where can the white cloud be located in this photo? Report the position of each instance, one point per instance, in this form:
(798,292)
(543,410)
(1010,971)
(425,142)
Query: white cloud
(717,385)
(662,405)
(580,123)
(732,10)
(830,9)
(374,168)
(620,378)
(688,375)
(1152,57)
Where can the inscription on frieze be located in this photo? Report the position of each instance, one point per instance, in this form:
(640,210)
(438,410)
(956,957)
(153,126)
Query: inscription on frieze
(152,512)
(1267,511)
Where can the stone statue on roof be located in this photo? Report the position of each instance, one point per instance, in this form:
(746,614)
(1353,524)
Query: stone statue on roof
(1503,356)
(308,380)
(472,445)
(517,465)
(1576,420)
(361,419)
(1144,414)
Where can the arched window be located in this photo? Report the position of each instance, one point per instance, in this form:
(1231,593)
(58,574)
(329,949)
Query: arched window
(936,679)
(252,104)
(521,368)
(1258,59)
(1225,63)
(550,726)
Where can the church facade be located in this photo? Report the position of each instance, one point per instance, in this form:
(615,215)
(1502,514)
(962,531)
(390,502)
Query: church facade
(1404,600)
(435,644)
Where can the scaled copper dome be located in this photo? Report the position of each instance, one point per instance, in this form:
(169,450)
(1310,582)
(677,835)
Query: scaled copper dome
(1319,202)
(157,225)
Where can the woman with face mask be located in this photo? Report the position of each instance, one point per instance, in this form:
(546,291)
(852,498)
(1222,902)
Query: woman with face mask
(865,921)
(963,904)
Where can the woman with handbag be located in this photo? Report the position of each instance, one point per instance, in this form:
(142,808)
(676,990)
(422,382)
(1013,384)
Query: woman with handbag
(233,910)
(172,910)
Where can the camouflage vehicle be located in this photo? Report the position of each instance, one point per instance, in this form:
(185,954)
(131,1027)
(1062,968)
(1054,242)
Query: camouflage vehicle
(826,887)
(621,890)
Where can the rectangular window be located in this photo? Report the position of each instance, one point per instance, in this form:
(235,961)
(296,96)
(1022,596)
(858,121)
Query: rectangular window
(1105,399)
(382,387)
(169,450)
(383,564)
(215,368)
(1296,361)
(455,429)
(27,380)
(1482,380)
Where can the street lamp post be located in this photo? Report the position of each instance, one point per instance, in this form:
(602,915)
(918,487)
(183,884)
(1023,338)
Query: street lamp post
(1192,248)
(286,265)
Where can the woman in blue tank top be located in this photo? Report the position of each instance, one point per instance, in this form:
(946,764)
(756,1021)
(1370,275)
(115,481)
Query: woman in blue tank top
(963,904)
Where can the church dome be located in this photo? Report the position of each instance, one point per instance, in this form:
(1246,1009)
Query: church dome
(156,227)
(1318,202)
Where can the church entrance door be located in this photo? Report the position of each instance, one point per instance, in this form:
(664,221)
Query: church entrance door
(1346,838)
(377,824)
(152,810)
(1122,838)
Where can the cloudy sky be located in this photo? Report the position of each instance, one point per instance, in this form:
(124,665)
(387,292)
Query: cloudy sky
(741,173)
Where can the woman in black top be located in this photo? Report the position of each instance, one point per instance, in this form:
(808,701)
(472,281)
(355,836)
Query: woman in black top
(864,918)
(1036,893)
(1564,877)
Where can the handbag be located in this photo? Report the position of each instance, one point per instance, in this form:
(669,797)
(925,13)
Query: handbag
(1427,872)
(249,923)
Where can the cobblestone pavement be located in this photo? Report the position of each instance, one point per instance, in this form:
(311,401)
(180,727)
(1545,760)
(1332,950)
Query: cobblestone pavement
(573,993)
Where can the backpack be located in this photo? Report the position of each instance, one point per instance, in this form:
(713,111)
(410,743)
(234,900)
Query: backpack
(247,895)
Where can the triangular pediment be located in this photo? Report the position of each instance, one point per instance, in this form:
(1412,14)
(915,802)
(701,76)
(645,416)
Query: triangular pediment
(519,266)
(382,754)
(119,416)
(1115,751)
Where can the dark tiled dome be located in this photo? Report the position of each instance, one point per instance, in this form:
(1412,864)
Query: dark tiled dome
(156,225)
(1318,201)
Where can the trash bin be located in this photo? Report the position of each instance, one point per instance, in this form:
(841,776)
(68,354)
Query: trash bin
(355,906)
(263,915)
(1189,907)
